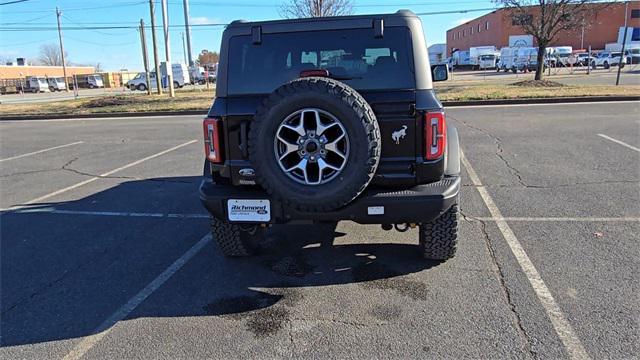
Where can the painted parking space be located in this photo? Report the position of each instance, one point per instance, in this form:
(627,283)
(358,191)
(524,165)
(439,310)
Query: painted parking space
(91,272)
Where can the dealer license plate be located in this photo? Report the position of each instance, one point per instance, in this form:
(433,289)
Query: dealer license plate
(249,210)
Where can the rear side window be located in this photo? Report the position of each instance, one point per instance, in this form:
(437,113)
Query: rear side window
(354,56)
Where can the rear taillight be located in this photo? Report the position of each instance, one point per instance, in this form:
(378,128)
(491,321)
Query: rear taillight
(435,135)
(212,146)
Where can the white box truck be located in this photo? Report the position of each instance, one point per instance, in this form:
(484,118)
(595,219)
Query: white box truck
(460,58)
(483,57)
(180,75)
(35,84)
(57,84)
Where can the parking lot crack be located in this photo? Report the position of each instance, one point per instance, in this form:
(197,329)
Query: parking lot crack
(66,167)
(506,292)
(499,153)
(27,172)
(43,288)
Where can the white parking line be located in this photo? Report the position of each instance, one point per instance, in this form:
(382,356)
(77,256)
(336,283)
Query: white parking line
(544,104)
(101,331)
(85,182)
(560,219)
(110,119)
(41,151)
(619,142)
(562,327)
(51,210)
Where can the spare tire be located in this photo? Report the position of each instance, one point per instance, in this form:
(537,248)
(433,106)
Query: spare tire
(315,144)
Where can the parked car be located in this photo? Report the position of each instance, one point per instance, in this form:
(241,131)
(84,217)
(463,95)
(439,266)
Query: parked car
(300,138)
(606,59)
(584,59)
(632,55)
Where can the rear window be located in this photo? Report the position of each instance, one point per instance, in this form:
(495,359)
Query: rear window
(354,56)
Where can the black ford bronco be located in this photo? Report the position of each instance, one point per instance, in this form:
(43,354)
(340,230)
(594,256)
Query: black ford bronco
(328,119)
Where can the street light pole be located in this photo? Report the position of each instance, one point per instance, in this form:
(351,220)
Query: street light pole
(184,50)
(187,31)
(64,63)
(155,47)
(624,42)
(143,40)
(167,49)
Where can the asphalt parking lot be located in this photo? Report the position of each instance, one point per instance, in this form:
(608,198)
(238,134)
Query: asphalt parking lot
(630,75)
(106,252)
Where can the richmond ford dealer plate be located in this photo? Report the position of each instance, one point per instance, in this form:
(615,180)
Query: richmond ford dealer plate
(249,210)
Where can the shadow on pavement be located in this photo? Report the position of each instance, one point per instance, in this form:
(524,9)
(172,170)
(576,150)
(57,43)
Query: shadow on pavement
(64,274)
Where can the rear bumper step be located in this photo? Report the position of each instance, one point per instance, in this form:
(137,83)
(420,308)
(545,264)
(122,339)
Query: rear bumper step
(418,204)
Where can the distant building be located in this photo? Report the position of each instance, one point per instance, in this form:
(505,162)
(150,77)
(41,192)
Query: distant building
(22,71)
(499,29)
(437,53)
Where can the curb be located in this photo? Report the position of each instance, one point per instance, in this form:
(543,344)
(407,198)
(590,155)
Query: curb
(557,100)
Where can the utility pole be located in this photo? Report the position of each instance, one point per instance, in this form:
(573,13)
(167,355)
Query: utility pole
(184,50)
(64,63)
(624,42)
(187,30)
(143,39)
(167,49)
(155,46)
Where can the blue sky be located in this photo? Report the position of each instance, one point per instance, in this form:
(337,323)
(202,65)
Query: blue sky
(120,48)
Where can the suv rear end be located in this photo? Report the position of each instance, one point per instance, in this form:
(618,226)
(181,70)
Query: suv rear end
(380,59)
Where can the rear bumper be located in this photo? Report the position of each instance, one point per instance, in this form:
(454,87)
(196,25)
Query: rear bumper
(418,204)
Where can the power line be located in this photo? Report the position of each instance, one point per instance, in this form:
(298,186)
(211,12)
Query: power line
(13,2)
(79,8)
(100,43)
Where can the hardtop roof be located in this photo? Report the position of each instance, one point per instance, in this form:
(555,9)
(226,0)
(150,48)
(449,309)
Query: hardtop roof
(398,15)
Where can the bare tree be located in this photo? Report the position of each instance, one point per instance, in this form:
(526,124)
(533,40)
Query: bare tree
(315,8)
(98,67)
(5,59)
(545,19)
(50,55)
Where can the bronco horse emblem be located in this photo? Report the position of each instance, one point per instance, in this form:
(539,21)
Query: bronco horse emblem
(399,135)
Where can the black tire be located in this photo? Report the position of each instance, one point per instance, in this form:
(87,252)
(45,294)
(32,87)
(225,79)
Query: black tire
(176,85)
(606,65)
(360,125)
(439,238)
(236,240)
(142,87)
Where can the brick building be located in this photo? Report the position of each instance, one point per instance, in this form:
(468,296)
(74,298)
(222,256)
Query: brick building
(22,71)
(495,28)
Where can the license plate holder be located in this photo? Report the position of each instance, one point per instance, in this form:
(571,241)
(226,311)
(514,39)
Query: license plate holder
(249,210)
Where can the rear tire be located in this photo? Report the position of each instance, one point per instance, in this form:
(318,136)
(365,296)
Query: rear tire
(236,240)
(439,238)
(142,87)
(606,65)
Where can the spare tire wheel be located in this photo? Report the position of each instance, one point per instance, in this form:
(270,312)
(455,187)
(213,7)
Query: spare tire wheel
(315,144)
